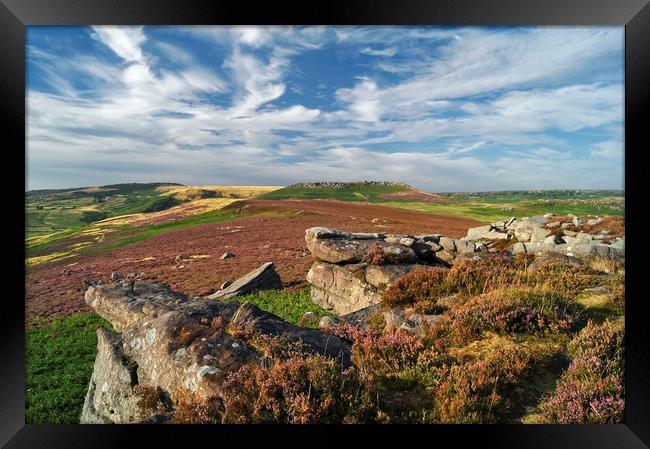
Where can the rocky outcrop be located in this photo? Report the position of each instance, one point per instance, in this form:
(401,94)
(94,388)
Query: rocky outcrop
(548,233)
(351,270)
(177,346)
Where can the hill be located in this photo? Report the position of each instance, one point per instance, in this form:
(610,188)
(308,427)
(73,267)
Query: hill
(373,191)
(60,210)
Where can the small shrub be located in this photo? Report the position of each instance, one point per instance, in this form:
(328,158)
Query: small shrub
(376,322)
(377,256)
(515,310)
(477,391)
(607,265)
(242,324)
(298,391)
(592,389)
(217,323)
(618,293)
(417,286)
(193,410)
(476,277)
(565,278)
(603,341)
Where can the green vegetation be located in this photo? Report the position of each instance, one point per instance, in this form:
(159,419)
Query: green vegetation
(51,211)
(290,305)
(163,203)
(59,363)
(353,191)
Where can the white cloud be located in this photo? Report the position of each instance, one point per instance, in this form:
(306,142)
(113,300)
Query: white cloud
(610,149)
(123,40)
(387,52)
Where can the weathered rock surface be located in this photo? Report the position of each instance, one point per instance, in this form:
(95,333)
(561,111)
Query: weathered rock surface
(335,288)
(548,233)
(380,276)
(341,282)
(111,396)
(347,250)
(180,345)
(263,278)
(554,258)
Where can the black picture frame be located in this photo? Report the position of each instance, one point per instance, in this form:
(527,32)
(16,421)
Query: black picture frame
(15,15)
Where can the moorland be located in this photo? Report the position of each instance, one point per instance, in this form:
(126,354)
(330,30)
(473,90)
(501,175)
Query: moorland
(568,351)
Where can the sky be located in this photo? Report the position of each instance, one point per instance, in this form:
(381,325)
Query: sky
(440,108)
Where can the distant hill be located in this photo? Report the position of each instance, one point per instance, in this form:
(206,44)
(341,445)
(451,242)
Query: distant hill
(116,188)
(374,191)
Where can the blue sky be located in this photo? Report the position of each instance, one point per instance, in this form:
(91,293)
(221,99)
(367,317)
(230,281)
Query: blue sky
(441,108)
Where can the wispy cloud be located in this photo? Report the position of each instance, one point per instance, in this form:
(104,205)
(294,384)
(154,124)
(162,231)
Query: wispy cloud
(388,51)
(439,107)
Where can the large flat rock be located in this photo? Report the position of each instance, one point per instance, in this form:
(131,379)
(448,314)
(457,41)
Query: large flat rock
(345,250)
(182,346)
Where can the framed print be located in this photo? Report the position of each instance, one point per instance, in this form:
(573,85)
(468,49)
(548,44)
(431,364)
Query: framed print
(351,213)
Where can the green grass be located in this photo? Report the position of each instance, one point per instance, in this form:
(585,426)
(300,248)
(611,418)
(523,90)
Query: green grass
(482,212)
(59,363)
(490,212)
(289,305)
(351,192)
(131,234)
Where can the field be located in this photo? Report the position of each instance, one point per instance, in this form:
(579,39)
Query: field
(176,234)
(53,211)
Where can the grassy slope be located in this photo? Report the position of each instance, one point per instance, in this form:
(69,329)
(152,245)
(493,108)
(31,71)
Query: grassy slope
(59,362)
(487,206)
(60,356)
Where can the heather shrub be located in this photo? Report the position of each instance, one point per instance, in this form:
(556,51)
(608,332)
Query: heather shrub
(514,310)
(480,390)
(618,293)
(415,287)
(607,265)
(390,356)
(296,390)
(605,342)
(476,277)
(422,288)
(565,278)
(592,389)
(377,256)
(192,410)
